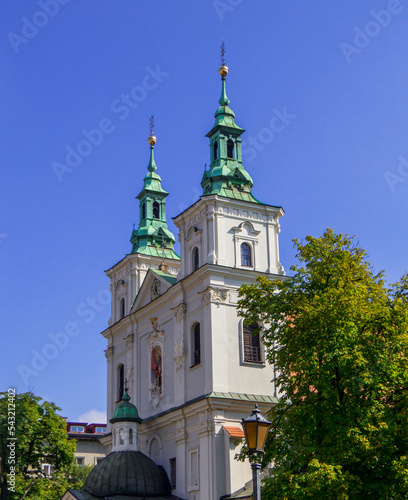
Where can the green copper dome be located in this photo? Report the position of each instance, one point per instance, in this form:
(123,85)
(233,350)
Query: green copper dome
(125,411)
(227,175)
(153,236)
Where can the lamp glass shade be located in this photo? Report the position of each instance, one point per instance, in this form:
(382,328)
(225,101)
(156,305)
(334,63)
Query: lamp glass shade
(251,433)
(255,429)
(262,433)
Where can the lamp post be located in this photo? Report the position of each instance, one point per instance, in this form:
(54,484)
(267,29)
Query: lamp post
(255,430)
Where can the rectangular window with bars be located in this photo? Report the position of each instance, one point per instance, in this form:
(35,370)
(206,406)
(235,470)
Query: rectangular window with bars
(252,344)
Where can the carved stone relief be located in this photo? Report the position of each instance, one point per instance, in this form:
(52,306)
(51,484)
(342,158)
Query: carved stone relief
(109,353)
(180,311)
(213,294)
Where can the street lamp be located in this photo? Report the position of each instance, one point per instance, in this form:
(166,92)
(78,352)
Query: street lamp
(255,430)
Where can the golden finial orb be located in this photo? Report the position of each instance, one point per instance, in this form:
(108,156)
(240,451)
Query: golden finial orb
(223,71)
(152,140)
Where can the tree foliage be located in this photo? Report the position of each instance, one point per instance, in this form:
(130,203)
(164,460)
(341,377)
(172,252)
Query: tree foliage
(338,337)
(38,434)
(52,488)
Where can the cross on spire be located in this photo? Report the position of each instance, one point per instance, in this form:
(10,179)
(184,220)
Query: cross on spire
(152,125)
(223,53)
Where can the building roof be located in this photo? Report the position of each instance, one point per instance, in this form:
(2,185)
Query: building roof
(125,411)
(83,495)
(256,398)
(235,432)
(168,277)
(126,474)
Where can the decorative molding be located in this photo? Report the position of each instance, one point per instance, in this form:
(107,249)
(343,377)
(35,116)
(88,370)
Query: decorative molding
(156,334)
(249,228)
(129,340)
(120,282)
(213,294)
(180,311)
(178,355)
(193,233)
(109,353)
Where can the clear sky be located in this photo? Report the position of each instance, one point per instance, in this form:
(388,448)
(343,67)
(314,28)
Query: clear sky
(80,70)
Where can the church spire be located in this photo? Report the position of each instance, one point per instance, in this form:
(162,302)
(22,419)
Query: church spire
(223,71)
(227,175)
(153,236)
(152,141)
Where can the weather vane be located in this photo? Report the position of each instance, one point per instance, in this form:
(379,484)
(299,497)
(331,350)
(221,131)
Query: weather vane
(223,53)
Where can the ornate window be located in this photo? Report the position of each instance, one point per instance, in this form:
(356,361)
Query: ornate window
(252,344)
(230,148)
(122,307)
(156,210)
(215,150)
(121,436)
(246,255)
(196,259)
(121,381)
(196,345)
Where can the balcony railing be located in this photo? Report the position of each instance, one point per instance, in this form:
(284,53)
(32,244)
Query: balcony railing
(252,354)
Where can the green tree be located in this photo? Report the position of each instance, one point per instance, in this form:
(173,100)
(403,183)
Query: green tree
(52,488)
(38,434)
(338,337)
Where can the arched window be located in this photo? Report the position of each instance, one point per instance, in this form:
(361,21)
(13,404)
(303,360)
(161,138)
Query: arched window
(246,255)
(122,307)
(130,436)
(196,259)
(121,436)
(215,150)
(121,381)
(143,210)
(230,149)
(196,345)
(156,210)
(252,344)
(114,438)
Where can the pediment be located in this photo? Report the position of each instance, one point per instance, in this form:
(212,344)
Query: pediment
(246,228)
(155,284)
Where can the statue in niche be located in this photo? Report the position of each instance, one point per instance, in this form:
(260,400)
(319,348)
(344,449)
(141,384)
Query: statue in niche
(157,369)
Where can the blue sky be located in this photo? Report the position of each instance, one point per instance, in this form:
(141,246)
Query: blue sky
(339,159)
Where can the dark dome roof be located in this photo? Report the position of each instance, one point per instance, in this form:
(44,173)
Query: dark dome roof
(127,473)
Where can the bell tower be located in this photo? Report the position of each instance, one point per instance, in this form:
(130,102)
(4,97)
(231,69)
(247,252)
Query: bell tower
(153,235)
(227,175)
(229,226)
(152,242)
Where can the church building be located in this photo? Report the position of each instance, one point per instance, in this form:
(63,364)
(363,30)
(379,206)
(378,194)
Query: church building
(175,344)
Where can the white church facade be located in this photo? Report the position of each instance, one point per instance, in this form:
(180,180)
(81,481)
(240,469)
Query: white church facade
(175,341)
